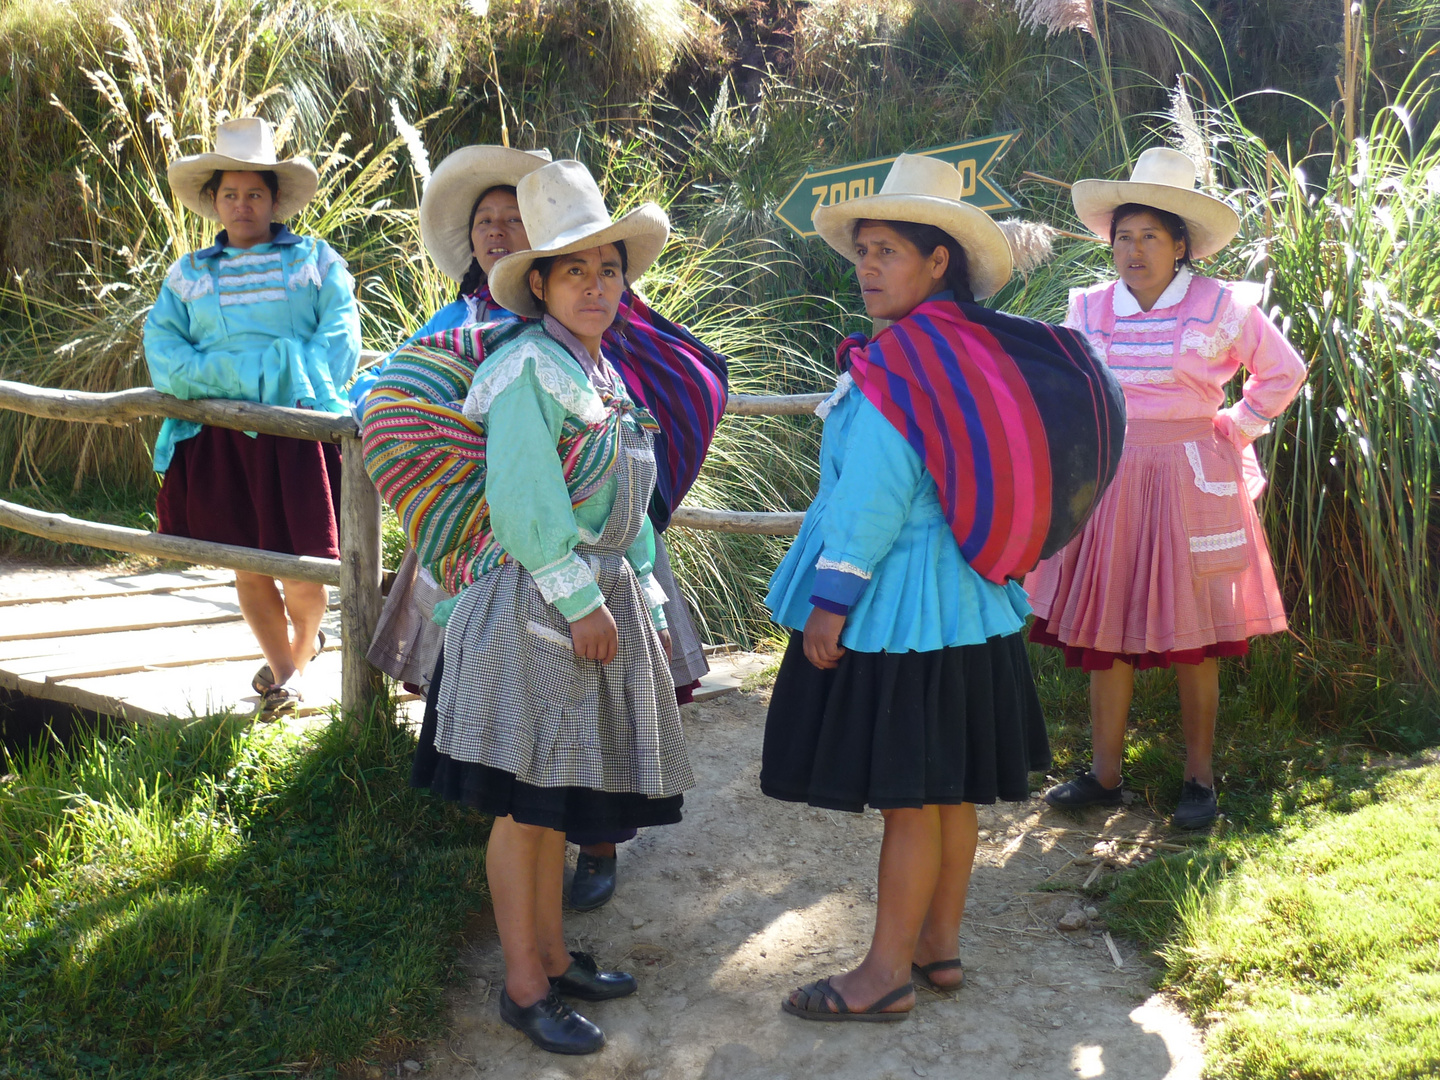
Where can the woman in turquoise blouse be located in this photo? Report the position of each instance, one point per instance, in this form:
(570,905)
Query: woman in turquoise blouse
(261,315)
(905,686)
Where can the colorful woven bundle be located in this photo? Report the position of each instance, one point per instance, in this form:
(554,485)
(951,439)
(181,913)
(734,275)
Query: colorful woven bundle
(428,460)
(681,383)
(1019,422)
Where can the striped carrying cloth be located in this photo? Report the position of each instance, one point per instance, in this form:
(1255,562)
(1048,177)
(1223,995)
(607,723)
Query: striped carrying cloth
(1019,422)
(681,382)
(428,460)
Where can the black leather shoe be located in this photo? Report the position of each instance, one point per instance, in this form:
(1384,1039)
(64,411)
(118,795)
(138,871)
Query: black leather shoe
(1083,791)
(552,1025)
(593,883)
(584,980)
(1198,807)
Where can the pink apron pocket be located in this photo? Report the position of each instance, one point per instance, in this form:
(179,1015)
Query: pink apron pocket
(1210,502)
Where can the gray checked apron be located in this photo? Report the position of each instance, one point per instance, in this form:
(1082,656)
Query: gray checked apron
(515,697)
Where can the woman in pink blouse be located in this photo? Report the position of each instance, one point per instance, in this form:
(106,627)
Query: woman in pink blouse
(1172,569)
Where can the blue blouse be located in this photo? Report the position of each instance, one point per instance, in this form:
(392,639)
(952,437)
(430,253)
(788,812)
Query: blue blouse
(452,316)
(276,323)
(876,547)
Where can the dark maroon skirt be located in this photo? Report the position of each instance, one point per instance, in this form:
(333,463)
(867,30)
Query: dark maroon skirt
(265,492)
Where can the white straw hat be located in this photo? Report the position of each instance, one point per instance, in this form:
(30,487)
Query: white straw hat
(1165,179)
(928,191)
(564,212)
(450,195)
(245,145)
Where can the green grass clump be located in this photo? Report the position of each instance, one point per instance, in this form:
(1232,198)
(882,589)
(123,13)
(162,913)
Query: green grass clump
(1312,952)
(216,900)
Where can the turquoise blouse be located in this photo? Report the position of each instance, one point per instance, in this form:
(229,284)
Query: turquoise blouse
(276,323)
(876,547)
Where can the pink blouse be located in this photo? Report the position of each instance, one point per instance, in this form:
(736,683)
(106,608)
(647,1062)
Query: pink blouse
(1174,360)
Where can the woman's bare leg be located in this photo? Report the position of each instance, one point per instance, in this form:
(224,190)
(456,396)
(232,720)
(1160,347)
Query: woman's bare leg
(549,896)
(305,603)
(940,934)
(910,858)
(512,861)
(1110,694)
(264,611)
(1199,704)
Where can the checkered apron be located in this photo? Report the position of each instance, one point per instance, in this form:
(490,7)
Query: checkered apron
(514,696)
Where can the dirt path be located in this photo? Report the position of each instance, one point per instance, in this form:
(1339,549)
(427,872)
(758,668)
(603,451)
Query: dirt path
(721,915)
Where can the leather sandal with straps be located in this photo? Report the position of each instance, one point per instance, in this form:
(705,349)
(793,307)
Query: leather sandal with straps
(921,974)
(265,677)
(823,1002)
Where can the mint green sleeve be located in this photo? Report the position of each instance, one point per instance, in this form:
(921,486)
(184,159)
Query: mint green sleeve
(641,557)
(529,502)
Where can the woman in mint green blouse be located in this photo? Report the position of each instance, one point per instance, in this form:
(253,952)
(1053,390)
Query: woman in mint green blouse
(552,707)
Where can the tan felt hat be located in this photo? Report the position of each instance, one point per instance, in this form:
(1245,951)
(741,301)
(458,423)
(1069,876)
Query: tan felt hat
(451,192)
(928,191)
(245,145)
(564,212)
(1165,179)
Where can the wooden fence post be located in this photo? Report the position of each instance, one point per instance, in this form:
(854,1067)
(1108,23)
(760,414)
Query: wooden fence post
(360,684)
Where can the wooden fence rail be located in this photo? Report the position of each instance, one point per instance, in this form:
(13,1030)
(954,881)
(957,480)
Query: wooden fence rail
(357,573)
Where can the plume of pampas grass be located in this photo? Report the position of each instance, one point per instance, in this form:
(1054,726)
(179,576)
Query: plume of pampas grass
(419,157)
(1032,243)
(1188,135)
(1056,16)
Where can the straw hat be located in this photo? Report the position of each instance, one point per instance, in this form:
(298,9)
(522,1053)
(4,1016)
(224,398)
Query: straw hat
(565,212)
(928,191)
(1165,179)
(450,195)
(245,145)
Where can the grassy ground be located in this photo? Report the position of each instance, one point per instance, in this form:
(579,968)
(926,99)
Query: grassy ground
(1294,731)
(1311,952)
(216,900)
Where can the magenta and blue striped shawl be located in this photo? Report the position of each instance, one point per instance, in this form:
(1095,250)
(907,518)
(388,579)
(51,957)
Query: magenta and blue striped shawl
(1019,422)
(681,382)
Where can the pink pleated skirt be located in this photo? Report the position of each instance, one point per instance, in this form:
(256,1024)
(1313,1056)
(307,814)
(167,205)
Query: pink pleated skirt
(1172,567)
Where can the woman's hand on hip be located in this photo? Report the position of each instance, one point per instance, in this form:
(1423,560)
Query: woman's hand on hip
(595,636)
(822,638)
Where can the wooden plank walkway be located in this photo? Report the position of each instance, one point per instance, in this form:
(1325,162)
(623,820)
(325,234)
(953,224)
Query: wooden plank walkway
(172,644)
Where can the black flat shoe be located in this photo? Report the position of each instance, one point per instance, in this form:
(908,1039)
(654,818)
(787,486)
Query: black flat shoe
(1198,807)
(593,883)
(1084,791)
(552,1025)
(583,979)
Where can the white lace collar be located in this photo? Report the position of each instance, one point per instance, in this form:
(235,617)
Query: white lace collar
(1126,304)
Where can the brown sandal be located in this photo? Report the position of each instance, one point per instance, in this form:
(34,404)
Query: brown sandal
(823,1002)
(921,974)
(265,678)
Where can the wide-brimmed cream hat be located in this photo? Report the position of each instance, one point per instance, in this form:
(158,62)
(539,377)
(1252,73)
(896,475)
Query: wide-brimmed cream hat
(563,212)
(245,145)
(450,195)
(1165,179)
(928,191)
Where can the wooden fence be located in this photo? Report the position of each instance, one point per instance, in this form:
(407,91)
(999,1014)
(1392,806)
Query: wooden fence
(357,572)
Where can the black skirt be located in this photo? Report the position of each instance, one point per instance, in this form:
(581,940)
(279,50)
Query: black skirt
(955,725)
(494,791)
